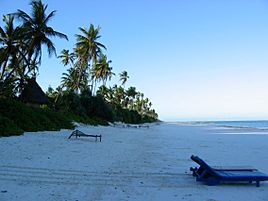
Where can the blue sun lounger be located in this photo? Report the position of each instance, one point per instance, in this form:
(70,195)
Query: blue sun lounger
(213,176)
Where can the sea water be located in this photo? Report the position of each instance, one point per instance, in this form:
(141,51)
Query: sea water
(263,124)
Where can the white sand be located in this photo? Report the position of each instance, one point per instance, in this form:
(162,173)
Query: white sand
(129,164)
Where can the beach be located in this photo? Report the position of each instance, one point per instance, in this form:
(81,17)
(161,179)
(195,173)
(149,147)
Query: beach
(129,163)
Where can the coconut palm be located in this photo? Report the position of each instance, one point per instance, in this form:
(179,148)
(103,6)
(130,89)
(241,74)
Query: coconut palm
(103,90)
(68,79)
(87,47)
(75,80)
(123,77)
(12,56)
(11,49)
(36,30)
(109,96)
(119,95)
(66,57)
(131,92)
(93,78)
(102,69)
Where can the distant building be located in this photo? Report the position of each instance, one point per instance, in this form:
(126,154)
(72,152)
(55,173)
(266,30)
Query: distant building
(32,94)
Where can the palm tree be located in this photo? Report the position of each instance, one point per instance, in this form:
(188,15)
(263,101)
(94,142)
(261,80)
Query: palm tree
(131,92)
(106,69)
(123,77)
(87,47)
(75,80)
(36,30)
(12,57)
(11,53)
(93,78)
(102,69)
(106,93)
(68,79)
(103,90)
(54,94)
(66,57)
(119,95)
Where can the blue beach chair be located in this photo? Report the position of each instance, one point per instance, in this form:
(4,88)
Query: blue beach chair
(213,176)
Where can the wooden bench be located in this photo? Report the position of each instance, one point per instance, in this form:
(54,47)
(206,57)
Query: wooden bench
(78,133)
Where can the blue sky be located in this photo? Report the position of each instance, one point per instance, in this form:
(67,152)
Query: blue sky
(194,59)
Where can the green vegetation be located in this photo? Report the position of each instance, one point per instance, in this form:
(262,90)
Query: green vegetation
(83,95)
(21,46)
(16,117)
(109,105)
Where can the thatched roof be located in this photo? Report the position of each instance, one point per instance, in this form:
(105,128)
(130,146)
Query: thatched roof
(32,93)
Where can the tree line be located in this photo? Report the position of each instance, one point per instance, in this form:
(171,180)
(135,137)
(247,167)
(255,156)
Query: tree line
(88,69)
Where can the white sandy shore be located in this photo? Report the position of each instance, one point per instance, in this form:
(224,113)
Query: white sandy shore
(129,164)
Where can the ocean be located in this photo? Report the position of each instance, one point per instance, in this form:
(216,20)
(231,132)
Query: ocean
(262,124)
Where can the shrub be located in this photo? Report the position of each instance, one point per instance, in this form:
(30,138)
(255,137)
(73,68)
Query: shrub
(85,108)
(24,118)
(8,127)
(96,107)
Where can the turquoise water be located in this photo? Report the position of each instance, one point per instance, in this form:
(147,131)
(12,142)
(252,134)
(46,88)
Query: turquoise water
(238,124)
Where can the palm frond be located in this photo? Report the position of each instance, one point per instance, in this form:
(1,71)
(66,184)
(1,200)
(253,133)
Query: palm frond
(49,16)
(51,32)
(50,46)
(23,16)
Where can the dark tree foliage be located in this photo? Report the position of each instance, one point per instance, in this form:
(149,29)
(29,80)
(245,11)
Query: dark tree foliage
(17,117)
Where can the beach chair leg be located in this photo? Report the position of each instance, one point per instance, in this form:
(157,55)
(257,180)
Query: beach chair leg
(70,136)
(194,169)
(257,183)
(73,133)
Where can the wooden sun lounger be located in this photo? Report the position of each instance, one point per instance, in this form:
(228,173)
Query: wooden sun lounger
(136,126)
(213,176)
(78,133)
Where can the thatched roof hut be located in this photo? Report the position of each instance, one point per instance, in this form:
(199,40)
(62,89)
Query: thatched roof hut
(33,94)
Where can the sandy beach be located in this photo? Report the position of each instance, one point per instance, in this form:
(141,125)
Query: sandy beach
(129,164)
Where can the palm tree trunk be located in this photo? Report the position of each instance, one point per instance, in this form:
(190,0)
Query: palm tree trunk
(95,86)
(3,70)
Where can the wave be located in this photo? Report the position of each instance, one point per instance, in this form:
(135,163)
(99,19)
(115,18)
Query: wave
(256,125)
(246,125)
(241,127)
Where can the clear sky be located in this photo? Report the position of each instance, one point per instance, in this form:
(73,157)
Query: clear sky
(194,59)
